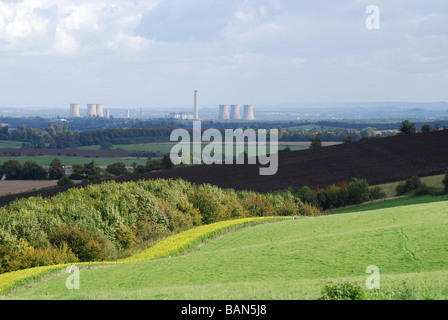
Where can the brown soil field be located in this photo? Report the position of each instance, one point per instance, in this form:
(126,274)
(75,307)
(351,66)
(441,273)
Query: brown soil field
(16,186)
(378,161)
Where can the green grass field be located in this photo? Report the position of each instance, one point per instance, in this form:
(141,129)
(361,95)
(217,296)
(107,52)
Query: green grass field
(68,161)
(7,144)
(288,260)
(166,148)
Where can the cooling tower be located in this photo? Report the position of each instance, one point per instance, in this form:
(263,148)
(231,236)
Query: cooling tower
(74,111)
(224,112)
(128,114)
(235,112)
(249,113)
(196,105)
(91,110)
(99,110)
(107,113)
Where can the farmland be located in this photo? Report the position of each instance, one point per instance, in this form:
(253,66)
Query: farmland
(68,161)
(288,260)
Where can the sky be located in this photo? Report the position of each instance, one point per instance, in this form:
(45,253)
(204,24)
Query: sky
(155,53)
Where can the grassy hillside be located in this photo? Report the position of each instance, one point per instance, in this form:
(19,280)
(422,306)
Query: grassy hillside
(432,181)
(288,260)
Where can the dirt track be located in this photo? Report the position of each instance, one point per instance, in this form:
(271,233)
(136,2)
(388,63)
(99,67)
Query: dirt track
(379,161)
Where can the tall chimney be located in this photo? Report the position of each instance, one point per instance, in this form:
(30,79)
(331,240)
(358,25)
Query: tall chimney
(196,105)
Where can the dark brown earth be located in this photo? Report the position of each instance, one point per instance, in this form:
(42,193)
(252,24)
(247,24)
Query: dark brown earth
(379,161)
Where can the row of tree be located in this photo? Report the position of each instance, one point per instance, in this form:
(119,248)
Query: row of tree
(31,170)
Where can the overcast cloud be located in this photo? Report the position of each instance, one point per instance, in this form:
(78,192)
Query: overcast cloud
(157,52)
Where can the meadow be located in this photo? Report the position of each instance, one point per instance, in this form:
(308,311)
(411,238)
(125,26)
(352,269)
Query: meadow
(70,160)
(292,259)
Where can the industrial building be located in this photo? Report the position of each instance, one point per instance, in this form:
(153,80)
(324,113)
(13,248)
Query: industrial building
(224,112)
(74,111)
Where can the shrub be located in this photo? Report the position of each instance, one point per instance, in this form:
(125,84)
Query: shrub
(445,182)
(316,142)
(126,237)
(377,193)
(25,256)
(409,185)
(342,291)
(87,245)
(33,171)
(307,195)
(65,181)
(117,169)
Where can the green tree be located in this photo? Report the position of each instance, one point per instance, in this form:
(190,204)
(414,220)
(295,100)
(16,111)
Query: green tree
(407,127)
(166,162)
(13,169)
(316,142)
(33,171)
(349,139)
(56,170)
(117,169)
(426,128)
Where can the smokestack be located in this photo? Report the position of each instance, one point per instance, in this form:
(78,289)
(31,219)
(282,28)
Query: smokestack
(128,114)
(107,113)
(196,105)
(74,111)
(249,113)
(224,112)
(99,110)
(235,112)
(91,110)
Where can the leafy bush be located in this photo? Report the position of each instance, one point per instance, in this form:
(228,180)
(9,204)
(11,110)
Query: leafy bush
(409,185)
(342,291)
(445,182)
(85,244)
(377,193)
(307,195)
(65,181)
(126,237)
(25,256)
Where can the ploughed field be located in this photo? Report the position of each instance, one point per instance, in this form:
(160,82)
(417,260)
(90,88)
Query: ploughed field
(292,259)
(379,161)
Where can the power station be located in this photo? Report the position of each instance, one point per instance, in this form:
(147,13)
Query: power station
(74,111)
(235,112)
(99,111)
(224,112)
(249,113)
(91,110)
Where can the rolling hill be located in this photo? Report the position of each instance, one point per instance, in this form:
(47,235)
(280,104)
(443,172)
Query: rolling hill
(287,260)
